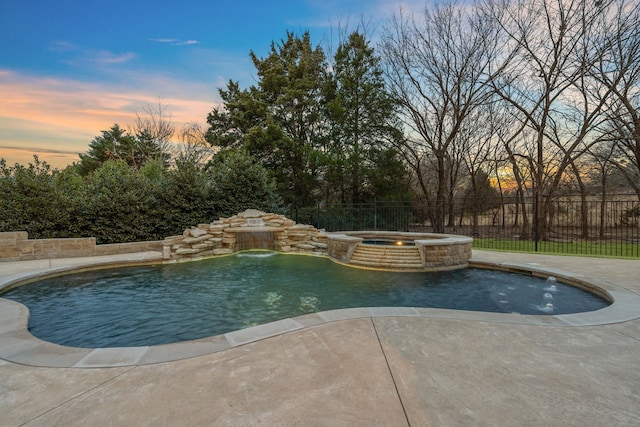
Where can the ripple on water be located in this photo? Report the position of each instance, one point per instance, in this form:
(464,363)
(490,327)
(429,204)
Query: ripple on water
(176,302)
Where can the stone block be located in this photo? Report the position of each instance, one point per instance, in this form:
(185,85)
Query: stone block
(9,250)
(298,235)
(197,232)
(222,251)
(201,246)
(304,246)
(25,247)
(166,252)
(317,244)
(13,236)
(70,246)
(191,240)
(298,227)
(252,213)
(187,251)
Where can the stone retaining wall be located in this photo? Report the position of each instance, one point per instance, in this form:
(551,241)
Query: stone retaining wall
(226,235)
(16,246)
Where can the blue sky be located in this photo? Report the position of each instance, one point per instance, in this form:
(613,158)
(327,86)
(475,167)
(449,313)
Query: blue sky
(70,69)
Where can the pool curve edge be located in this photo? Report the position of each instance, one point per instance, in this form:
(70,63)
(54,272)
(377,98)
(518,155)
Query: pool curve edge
(17,345)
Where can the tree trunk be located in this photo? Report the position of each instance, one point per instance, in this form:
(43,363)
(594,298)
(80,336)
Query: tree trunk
(438,226)
(584,209)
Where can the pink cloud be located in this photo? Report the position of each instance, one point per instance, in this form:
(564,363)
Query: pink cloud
(64,115)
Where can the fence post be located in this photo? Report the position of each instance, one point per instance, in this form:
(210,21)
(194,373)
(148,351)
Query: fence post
(536,219)
(375,214)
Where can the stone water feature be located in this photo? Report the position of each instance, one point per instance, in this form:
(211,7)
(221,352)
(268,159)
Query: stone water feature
(253,229)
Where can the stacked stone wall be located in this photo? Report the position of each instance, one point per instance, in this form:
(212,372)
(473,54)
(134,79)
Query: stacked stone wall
(447,255)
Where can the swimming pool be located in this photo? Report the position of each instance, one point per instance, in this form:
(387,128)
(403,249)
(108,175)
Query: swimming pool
(139,306)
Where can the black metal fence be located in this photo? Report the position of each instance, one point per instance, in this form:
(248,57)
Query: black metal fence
(568,225)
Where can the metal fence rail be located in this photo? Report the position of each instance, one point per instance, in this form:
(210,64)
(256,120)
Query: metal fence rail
(568,225)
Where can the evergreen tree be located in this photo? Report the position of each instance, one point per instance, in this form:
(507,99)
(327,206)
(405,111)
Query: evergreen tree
(320,133)
(279,122)
(363,119)
(117,144)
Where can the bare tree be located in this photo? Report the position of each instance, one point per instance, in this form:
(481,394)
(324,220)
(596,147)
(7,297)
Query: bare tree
(193,146)
(618,69)
(556,104)
(438,66)
(478,152)
(155,124)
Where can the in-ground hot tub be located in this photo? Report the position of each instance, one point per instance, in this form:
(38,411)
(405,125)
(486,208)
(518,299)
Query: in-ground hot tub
(394,250)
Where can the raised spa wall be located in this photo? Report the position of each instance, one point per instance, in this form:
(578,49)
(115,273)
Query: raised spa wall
(437,252)
(254,229)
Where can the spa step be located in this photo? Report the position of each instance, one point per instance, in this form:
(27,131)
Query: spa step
(377,249)
(387,257)
(387,251)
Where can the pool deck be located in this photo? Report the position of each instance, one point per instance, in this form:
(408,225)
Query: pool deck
(360,367)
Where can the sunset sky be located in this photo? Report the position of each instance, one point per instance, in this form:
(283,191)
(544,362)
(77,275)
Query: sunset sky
(69,68)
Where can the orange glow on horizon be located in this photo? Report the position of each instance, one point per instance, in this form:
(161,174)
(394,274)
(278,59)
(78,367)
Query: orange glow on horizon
(57,119)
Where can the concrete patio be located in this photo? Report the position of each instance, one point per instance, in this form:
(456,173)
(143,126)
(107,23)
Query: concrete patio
(417,367)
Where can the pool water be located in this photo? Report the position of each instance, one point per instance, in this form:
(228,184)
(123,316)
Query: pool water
(139,306)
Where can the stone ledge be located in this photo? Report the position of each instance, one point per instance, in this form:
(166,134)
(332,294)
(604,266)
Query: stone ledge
(16,246)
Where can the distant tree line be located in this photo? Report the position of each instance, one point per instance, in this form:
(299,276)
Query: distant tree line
(540,95)
(503,98)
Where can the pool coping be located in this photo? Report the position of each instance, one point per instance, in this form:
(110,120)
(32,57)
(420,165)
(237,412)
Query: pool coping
(19,346)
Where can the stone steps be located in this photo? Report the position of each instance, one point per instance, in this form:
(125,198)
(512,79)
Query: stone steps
(383,256)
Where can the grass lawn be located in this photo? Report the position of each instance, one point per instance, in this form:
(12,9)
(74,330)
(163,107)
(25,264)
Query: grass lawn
(617,250)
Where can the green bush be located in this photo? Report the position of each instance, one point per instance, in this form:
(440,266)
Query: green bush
(239,183)
(118,203)
(37,199)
